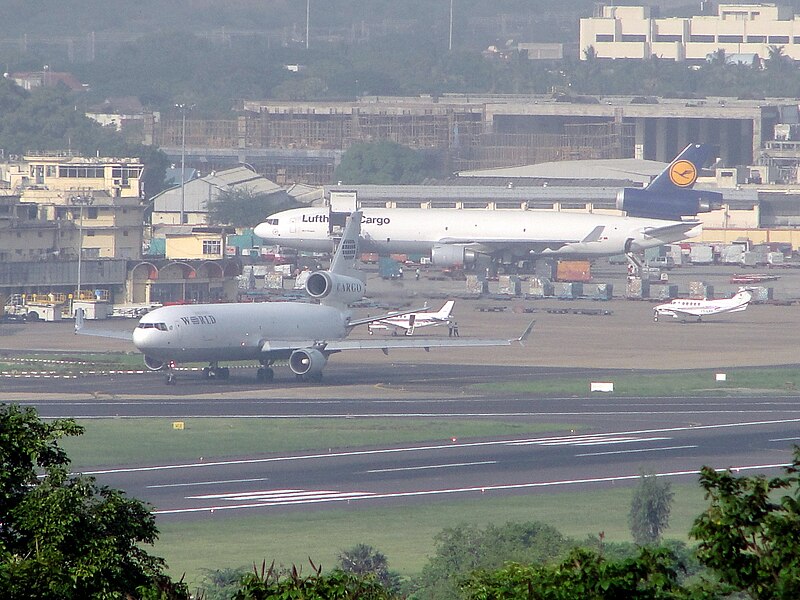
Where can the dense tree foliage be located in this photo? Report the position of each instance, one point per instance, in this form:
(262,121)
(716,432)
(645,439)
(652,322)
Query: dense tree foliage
(363,560)
(385,162)
(53,120)
(583,575)
(63,536)
(463,549)
(650,508)
(276,584)
(243,207)
(750,534)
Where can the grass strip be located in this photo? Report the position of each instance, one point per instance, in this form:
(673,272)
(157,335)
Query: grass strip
(689,383)
(155,441)
(405,534)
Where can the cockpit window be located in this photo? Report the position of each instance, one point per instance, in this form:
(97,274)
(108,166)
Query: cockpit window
(272,221)
(159,326)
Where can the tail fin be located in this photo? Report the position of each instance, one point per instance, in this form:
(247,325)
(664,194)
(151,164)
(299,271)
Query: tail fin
(682,172)
(670,195)
(344,259)
(444,312)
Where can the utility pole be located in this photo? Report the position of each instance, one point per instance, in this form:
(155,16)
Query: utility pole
(183,107)
(450,42)
(308,21)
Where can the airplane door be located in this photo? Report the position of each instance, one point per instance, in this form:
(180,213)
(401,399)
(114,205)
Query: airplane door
(293,225)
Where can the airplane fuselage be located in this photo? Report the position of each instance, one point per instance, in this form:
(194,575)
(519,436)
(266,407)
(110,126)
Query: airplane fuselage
(211,332)
(520,233)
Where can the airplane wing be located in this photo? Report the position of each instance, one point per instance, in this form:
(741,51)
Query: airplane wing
(104,333)
(281,347)
(490,245)
(682,227)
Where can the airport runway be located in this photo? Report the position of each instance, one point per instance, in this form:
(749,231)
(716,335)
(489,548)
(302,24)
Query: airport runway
(615,438)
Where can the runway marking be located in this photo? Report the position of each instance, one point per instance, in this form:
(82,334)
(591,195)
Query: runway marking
(634,451)
(194,483)
(284,497)
(432,447)
(587,440)
(423,467)
(321,497)
(789,439)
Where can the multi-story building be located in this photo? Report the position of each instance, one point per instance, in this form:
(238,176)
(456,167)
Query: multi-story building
(631,32)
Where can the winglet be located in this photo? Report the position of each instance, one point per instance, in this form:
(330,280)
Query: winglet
(525,334)
(79,320)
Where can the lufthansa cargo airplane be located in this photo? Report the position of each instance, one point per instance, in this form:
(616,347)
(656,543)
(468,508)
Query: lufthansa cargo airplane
(458,237)
(304,333)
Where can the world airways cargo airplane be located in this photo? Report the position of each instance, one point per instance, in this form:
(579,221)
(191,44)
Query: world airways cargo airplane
(306,334)
(457,237)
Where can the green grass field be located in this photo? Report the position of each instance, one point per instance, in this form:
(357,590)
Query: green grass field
(404,534)
(660,384)
(154,441)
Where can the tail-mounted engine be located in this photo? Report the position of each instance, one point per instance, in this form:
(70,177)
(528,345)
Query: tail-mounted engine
(308,362)
(324,285)
(655,205)
(452,255)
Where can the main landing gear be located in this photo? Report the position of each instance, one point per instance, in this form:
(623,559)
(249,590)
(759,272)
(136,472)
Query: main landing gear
(265,374)
(214,371)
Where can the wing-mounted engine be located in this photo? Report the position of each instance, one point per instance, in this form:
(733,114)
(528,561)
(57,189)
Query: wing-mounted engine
(308,362)
(334,288)
(452,255)
(673,206)
(153,364)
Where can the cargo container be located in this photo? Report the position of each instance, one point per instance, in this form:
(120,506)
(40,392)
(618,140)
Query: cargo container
(663,291)
(567,290)
(637,288)
(574,270)
(701,290)
(701,254)
(508,285)
(539,287)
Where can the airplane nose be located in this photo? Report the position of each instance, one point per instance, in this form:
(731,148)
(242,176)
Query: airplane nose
(143,338)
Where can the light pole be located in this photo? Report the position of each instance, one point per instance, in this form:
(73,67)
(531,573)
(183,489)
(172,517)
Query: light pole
(308,21)
(183,108)
(80,201)
(450,41)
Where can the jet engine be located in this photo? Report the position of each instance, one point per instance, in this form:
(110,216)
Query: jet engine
(307,361)
(452,255)
(324,284)
(656,205)
(153,364)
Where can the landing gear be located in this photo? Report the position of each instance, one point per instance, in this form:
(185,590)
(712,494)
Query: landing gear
(265,374)
(170,378)
(215,372)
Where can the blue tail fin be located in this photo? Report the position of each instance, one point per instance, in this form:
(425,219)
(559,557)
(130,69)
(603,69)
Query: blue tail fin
(670,195)
(682,172)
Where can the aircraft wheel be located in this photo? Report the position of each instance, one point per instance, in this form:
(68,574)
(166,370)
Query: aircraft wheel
(655,319)
(206,372)
(170,379)
(224,373)
(269,374)
(394,334)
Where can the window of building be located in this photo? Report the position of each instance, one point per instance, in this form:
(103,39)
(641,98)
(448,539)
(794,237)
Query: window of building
(80,172)
(125,233)
(90,233)
(730,39)
(701,38)
(630,37)
(669,38)
(91,213)
(51,170)
(756,39)
(778,39)
(604,37)
(212,247)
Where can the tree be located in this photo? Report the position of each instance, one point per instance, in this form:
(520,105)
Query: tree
(242,206)
(384,162)
(463,549)
(337,585)
(583,575)
(363,559)
(777,60)
(650,508)
(64,536)
(749,535)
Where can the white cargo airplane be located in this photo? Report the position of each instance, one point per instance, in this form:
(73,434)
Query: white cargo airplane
(306,334)
(457,237)
(410,321)
(697,309)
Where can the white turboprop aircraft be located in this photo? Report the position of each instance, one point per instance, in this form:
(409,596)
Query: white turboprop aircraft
(306,334)
(457,237)
(410,321)
(697,309)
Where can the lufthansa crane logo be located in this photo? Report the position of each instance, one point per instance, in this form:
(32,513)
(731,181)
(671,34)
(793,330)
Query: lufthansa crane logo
(683,173)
